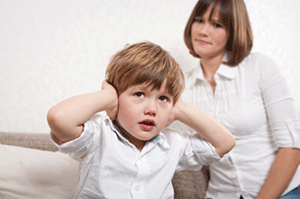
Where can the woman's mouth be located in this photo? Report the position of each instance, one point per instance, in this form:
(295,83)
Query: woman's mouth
(147,125)
(202,42)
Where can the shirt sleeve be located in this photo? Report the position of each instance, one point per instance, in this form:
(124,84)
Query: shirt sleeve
(279,103)
(197,152)
(86,143)
(203,150)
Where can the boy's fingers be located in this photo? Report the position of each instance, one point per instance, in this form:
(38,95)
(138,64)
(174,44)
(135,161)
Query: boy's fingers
(112,113)
(105,84)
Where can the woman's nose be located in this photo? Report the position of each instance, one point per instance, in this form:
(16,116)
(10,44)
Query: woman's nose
(203,29)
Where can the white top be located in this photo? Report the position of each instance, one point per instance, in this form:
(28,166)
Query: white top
(111,167)
(253,102)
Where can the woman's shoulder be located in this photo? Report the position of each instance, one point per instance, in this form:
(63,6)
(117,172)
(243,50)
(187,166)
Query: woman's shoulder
(259,62)
(192,72)
(257,57)
(262,67)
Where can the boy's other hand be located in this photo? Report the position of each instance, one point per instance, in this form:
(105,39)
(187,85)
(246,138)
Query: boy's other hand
(112,109)
(175,112)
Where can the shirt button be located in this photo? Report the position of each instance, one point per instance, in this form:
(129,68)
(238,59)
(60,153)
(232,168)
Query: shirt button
(137,187)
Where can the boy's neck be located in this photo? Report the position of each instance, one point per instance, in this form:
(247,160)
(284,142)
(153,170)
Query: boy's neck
(139,144)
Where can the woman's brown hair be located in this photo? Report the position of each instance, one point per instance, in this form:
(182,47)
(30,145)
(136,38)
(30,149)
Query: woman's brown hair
(145,63)
(234,16)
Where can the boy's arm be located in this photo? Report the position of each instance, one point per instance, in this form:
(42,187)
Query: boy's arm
(206,126)
(66,119)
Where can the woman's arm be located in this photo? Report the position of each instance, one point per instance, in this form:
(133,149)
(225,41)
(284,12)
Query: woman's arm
(281,173)
(66,119)
(284,124)
(206,126)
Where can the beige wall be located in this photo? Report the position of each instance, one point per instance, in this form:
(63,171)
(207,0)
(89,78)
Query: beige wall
(51,50)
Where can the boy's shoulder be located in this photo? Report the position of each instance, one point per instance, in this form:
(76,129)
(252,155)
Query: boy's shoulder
(101,117)
(179,127)
(178,131)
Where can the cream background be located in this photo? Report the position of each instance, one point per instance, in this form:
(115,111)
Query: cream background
(52,50)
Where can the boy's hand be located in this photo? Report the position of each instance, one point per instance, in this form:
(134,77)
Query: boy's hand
(175,112)
(112,110)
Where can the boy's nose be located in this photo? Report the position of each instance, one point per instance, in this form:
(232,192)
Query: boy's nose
(150,109)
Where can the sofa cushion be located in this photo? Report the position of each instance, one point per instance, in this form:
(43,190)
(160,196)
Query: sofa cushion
(32,173)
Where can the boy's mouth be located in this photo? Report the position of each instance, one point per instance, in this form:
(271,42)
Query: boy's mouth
(147,124)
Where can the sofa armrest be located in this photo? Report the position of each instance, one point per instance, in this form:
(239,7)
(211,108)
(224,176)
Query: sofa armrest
(29,140)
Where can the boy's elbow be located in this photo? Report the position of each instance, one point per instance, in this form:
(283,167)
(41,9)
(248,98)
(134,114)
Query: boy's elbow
(54,119)
(61,128)
(230,144)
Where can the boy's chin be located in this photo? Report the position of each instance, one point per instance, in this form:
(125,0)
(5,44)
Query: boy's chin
(148,137)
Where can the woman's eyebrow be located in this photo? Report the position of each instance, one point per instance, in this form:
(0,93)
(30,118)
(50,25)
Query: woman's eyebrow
(216,20)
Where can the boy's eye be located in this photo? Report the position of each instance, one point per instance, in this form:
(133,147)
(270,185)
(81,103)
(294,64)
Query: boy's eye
(163,98)
(139,94)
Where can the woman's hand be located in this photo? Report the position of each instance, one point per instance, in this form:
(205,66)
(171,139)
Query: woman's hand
(112,109)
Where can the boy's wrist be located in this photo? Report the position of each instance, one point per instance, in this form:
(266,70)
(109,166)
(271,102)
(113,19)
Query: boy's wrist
(179,109)
(110,93)
(112,101)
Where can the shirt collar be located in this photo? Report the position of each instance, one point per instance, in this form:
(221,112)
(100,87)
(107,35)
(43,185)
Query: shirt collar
(163,141)
(227,71)
(116,129)
(158,139)
(224,70)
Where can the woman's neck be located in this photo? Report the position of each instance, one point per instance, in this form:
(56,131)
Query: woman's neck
(210,65)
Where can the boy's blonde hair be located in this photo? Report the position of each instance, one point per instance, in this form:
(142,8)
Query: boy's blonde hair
(147,63)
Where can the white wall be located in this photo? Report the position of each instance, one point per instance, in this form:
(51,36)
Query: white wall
(52,50)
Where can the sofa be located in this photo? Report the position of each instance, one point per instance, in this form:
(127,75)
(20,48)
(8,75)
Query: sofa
(31,167)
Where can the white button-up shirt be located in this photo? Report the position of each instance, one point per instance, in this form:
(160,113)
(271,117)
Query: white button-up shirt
(111,167)
(253,102)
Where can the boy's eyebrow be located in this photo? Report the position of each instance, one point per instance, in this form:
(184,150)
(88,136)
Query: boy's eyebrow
(150,88)
(141,86)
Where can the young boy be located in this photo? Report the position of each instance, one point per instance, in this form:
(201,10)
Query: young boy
(128,153)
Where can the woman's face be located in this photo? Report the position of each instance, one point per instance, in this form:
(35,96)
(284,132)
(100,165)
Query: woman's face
(209,36)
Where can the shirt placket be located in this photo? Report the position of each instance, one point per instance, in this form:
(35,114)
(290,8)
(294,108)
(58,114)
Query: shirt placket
(217,98)
(219,95)
(138,185)
(212,108)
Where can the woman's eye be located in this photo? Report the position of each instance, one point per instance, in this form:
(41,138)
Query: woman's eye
(199,20)
(217,25)
(139,94)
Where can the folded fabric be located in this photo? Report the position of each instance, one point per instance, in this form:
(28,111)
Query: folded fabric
(31,173)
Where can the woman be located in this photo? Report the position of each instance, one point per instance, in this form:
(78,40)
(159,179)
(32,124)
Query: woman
(247,93)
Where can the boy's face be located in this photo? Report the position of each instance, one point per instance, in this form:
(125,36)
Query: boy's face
(143,112)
